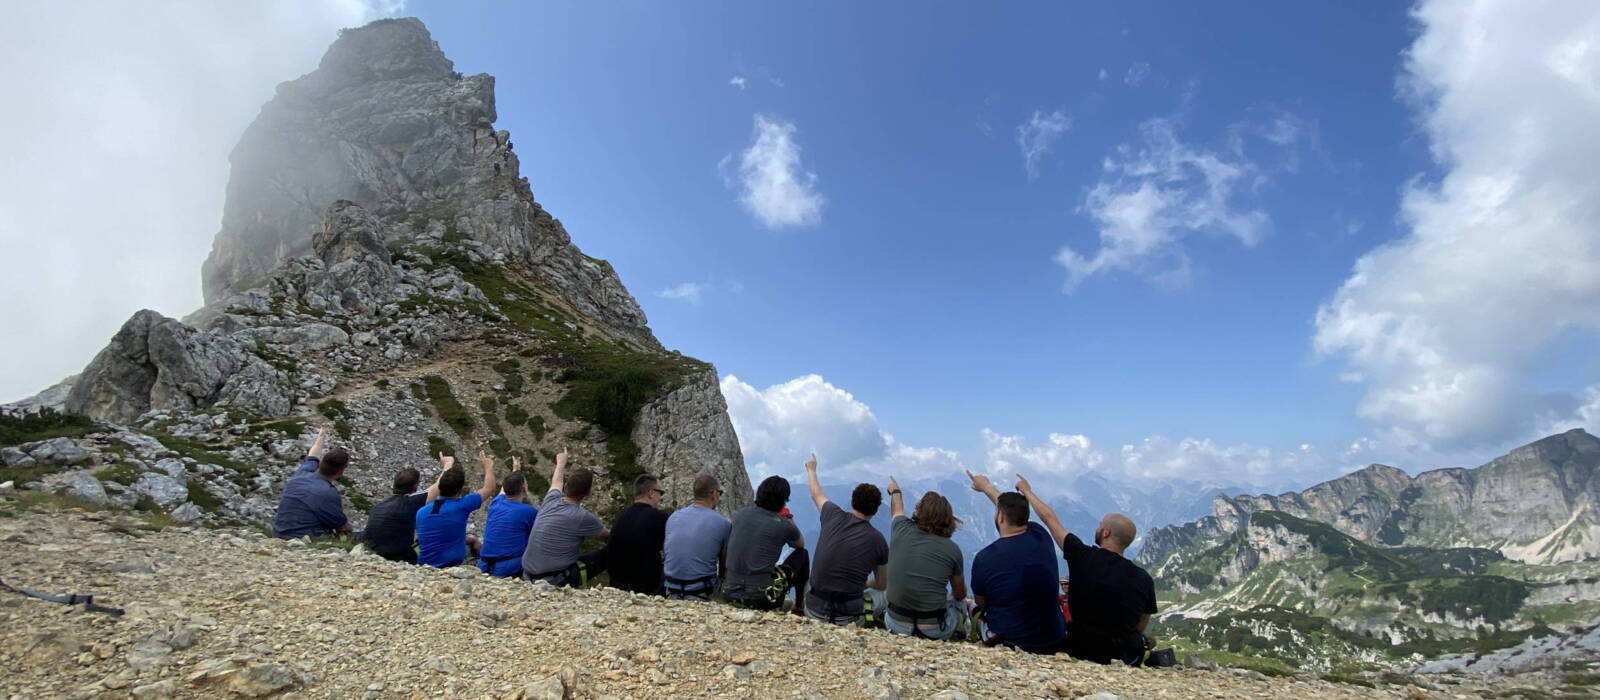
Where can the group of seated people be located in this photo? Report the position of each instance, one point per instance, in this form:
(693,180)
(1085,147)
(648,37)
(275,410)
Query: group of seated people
(912,584)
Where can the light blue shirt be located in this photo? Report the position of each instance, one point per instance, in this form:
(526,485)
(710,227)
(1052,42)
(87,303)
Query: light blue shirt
(696,535)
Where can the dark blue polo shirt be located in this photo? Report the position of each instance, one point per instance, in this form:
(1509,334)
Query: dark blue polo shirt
(310,504)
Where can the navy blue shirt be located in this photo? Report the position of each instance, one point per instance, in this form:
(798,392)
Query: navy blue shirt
(310,504)
(1018,579)
(505,535)
(442,530)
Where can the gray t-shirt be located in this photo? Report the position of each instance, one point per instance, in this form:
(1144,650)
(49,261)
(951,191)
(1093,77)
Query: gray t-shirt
(922,563)
(556,535)
(756,540)
(848,550)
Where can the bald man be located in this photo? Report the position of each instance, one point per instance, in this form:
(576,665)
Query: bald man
(1112,598)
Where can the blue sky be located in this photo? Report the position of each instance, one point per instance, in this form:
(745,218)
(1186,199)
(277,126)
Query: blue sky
(1301,238)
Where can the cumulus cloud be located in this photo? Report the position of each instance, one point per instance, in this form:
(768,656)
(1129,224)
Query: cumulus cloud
(687,291)
(737,81)
(773,185)
(1157,459)
(1152,196)
(1137,73)
(1037,135)
(1500,257)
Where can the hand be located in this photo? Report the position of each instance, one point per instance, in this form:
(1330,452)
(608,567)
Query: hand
(980,483)
(485,460)
(1024,486)
(561,458)
(446,461)
(516,463)
(893,485)
(811,464)
(322,432)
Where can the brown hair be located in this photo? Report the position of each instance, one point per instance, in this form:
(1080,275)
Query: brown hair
(1013,508)
(578,484)
(704,486)
(934,516)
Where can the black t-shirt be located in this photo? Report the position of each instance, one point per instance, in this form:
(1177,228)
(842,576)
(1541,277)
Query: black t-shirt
(633,554)
(392,525)
(1108,594)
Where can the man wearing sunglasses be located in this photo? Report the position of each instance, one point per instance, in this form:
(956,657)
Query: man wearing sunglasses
(633,554)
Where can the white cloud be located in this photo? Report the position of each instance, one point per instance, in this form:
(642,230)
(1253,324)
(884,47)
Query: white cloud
(687,291)
(1137,73)
(115,171)
(773,185)
(1150,198)
(1037,135)
(1157,459)
(1500,256)
(737,81)
(1104,74)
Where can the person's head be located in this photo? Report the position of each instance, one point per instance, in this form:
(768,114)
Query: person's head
(934,515)
(773,493)
(406,481)
(865,499)
(333,463)
(452,481)
(1011,513)
(647,490)
(514,485)
(1116,532)
(578,484)
(707,491)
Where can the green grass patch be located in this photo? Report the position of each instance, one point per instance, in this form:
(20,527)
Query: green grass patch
(243,473)
(517,416)
(446,406)
(437,446)
(43,424)
(199,496)
(276,359)
(358,500)
(418,393)
(487,404)
(292,427)
(119,473)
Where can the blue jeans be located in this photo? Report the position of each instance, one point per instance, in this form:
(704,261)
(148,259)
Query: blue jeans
(945,628)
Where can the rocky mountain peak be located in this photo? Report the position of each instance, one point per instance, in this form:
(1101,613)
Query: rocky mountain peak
(388,49)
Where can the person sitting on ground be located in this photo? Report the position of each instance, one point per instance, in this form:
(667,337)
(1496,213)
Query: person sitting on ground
(1014,578)
(633,552)
(505,530)
(1112,597)
(755,577)
(697,544)
(562,526)
(849,549)
(311,505)
(442,540)
(392,525)
(924,560)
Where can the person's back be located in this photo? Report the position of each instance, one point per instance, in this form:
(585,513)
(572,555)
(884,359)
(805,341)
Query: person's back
(849,551)
(505,530)
(392,524)
(562,526)
(697,537)
(310,503)
(1110,595)
(633,552)
(1017,578)
(926,564)
(442,524)
(755,577)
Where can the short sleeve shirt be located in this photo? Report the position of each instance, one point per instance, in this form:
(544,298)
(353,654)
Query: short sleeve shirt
(505,535)
(633,554)
(696,536)
(921,565)
(442,530)
(1107,591)
(392,525)
(848,550)
(557,534)
(755,540)
(310,504)
(1017,577)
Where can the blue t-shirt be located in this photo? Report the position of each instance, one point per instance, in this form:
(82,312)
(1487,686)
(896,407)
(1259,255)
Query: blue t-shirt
(696,535)
(310,504)
(442,530)
(1019,581)
(505,535)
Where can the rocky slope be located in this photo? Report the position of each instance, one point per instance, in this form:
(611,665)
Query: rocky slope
(383,268)
(1536,504)
(213,612)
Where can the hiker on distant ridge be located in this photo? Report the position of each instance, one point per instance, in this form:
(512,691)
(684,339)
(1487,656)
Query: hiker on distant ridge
(505,530)
(849,551)
(310,504)
(442,539)
(391,530)
(696,550)
(562,526)
(924,561)
(1112,597)
(756,579)
(1014,579)
(638,534)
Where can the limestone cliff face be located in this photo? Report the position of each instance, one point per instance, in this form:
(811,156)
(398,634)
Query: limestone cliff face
(688,432)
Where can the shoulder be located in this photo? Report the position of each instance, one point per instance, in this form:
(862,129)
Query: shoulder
(416,500)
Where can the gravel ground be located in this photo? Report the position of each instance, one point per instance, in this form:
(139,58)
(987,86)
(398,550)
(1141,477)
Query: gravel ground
(214,612)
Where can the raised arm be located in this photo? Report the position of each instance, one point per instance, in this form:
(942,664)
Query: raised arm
(516,466)
(559,476)
(817,496)
(981,484)
(897,502)
(1058,532)
(317,444)
(490,485)
(445,462)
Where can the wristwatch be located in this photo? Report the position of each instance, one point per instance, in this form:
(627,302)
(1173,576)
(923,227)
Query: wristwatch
(894,492)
